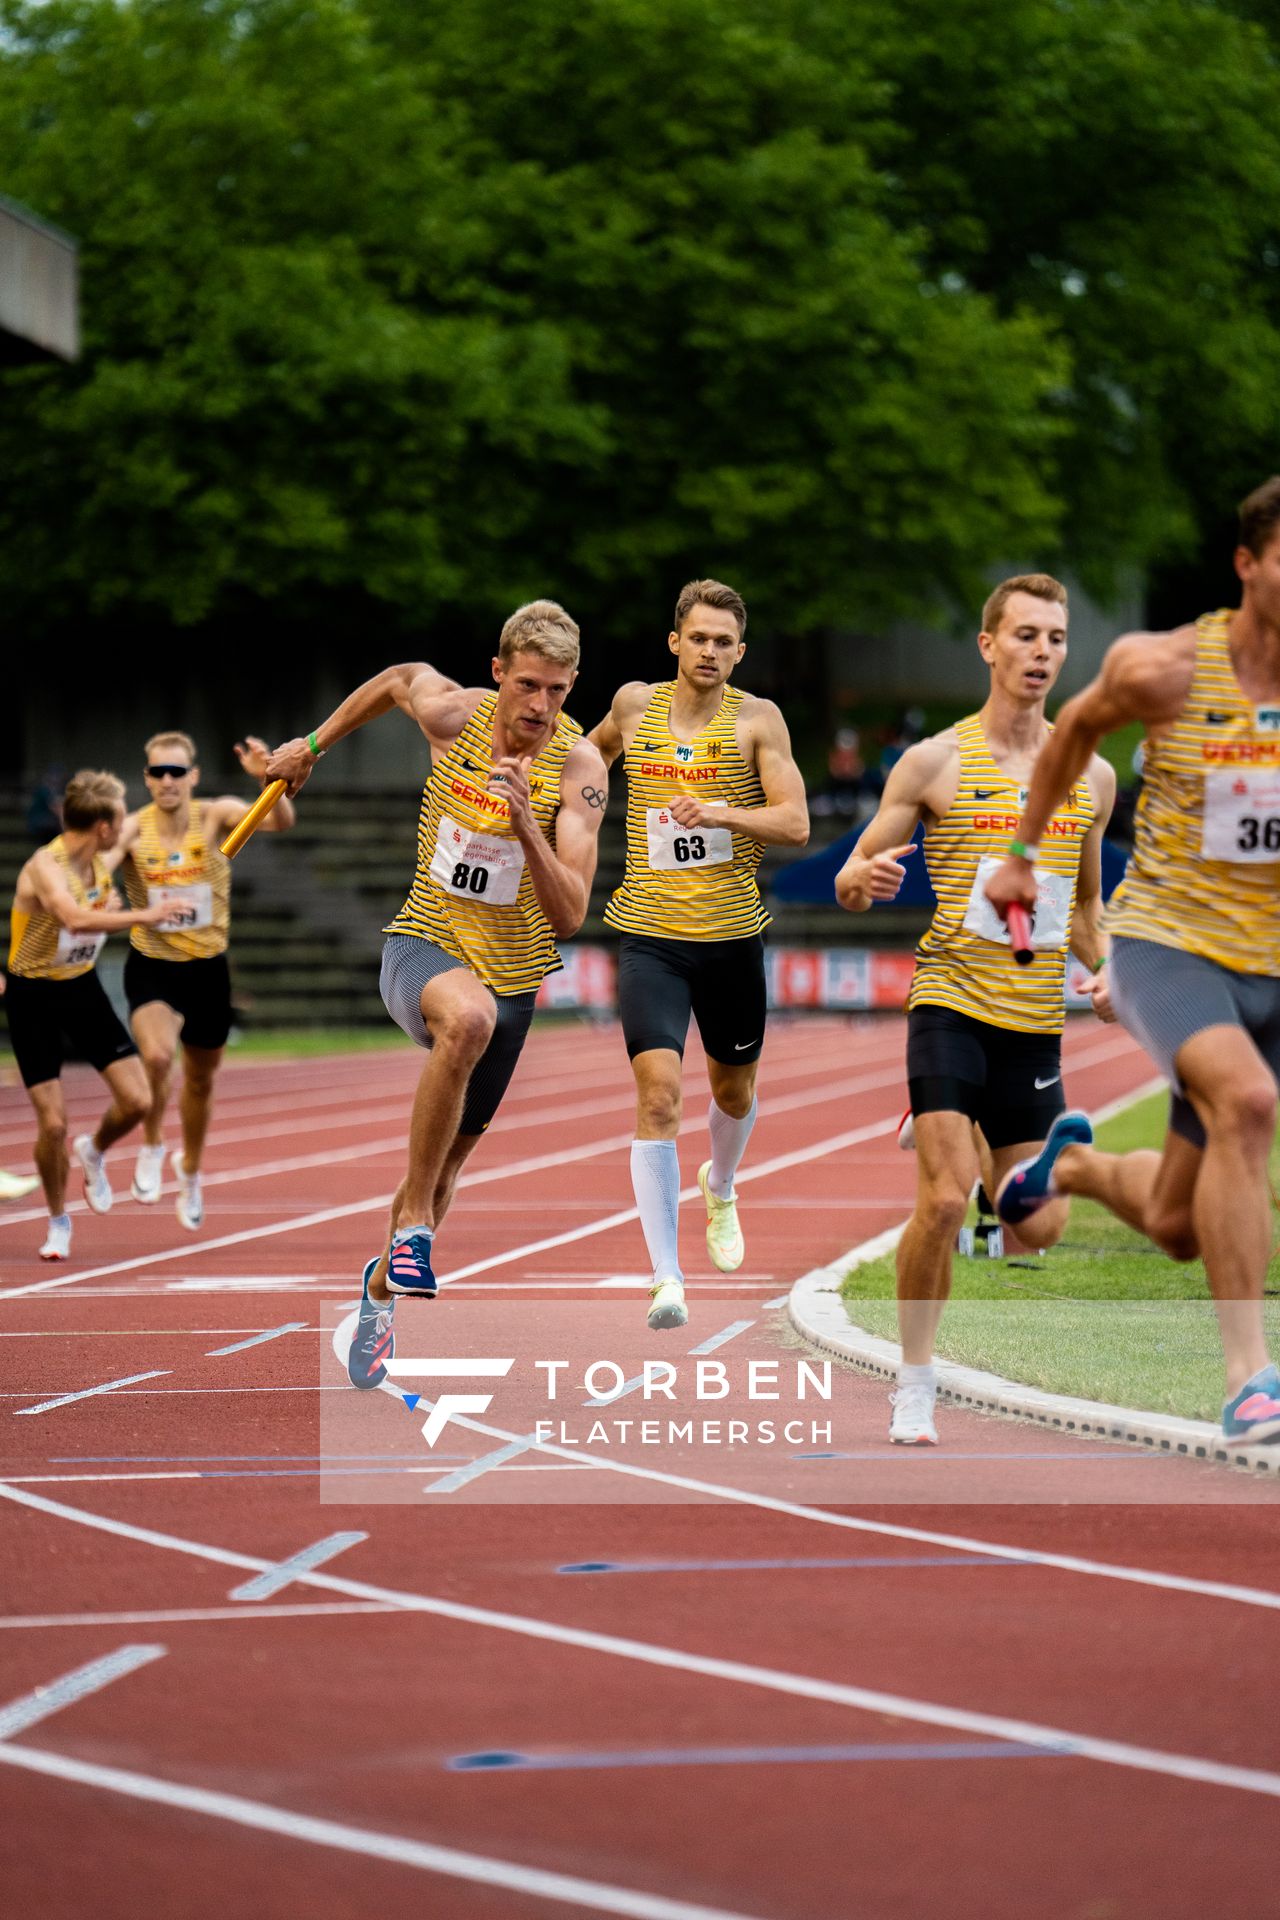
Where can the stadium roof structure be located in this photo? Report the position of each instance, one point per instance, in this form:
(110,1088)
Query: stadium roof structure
(39,289)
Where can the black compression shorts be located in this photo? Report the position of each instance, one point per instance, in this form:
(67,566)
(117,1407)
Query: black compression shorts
(720,982)
(199,991)
(1009,1083)
(51,1021)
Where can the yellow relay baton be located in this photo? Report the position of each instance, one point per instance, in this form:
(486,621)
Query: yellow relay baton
(253,819)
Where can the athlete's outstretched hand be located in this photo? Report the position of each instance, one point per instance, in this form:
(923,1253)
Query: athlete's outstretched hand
(1013,884)
(886,873)
(254,755)
(294,763)
(510,778)
(1099,991)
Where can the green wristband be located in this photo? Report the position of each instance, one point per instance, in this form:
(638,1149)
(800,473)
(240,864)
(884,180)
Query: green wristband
(1021,851)
(318,752)
(1098,965)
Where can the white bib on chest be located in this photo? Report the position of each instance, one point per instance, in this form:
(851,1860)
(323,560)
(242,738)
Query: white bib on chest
(1050,922)
(677,849)
(191,907)
(1241,815)
(484,866)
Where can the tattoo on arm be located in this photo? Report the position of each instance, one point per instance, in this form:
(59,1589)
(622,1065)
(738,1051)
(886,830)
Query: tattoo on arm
(595,797)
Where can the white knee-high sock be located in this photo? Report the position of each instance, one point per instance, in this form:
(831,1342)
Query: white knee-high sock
(729,1139)
(655,1177)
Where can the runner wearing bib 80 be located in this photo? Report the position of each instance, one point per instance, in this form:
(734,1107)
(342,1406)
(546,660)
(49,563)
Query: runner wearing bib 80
(710,784)
(176,978)
(1195,930)
(507,838)
(63,909)
(984,1036)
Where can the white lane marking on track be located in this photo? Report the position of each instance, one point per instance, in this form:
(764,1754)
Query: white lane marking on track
(132,1333)
(725,1334)
(52,1695)
(285,1572)
(178,1616)
(86,1393)
(738,1672)
(258,1339)
(483,1463)
(481,1869)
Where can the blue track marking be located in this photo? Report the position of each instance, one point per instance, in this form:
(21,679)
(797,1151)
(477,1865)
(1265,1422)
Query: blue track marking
(257,1339)
(775,1566)
(263,1585)
(752,1756)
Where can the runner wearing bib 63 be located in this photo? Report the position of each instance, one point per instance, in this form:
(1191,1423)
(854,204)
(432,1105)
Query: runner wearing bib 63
(507,837)
(984,1036)
(1195,932)
(64,907)
(710,784)
(176,978)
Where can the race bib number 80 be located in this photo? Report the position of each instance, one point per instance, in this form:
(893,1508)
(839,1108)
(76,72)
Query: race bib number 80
(677,849)
(1242,816)
(481,866)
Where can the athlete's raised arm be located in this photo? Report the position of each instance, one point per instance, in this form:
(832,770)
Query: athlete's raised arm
(562,874)
(429,697)
(783,821)
(229,809)
(874,870)
(608,735)
(43,878)
(1144,677)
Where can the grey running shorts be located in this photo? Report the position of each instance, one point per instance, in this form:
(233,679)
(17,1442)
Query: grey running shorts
(408,962)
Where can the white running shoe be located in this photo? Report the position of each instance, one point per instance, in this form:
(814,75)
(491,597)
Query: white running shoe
(58,1244)
(190,1208)
(911,1424)
(907,1132)
(148,1175)
(97,1187)
(666,1305)
(16,1186)
(724,1236)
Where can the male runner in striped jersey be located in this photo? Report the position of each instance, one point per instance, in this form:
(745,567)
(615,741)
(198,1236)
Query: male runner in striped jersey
(984,1036)
(1195,945)
(507,839)
(176,978)
(63,910)
(710,784)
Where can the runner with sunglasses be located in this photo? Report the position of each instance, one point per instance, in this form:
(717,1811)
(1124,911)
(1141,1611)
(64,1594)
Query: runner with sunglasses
(176,978)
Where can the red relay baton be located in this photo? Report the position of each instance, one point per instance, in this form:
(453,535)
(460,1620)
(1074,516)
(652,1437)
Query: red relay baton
(1018,921)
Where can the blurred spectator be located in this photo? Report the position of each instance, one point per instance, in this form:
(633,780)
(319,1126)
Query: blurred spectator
(847,778)
(44,811)
(908,729)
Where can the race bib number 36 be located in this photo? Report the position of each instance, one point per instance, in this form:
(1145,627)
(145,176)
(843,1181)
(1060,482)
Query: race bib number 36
(1242,815)
(677,849)
(190,907)
(481,866)
(79,949)
(1050,922)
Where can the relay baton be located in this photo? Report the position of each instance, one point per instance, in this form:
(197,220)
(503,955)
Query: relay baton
(1018,921)
(253,819)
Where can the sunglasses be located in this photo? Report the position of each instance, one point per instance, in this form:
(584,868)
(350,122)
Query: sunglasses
(174,773)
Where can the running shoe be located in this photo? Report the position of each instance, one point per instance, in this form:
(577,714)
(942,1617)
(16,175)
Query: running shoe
(1030,1185)
(97,1187)
(410,1269)
(1253,1417)
(374,1341)
(907,1132)
(724,1236)
(911,1423)
(16,1186)
(148,1175)
(666,1305)
(190,1207)
(58,1244)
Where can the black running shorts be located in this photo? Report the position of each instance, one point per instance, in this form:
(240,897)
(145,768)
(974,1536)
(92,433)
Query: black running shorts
(720,982)
(1009,1083)
(198,991)
(51,1021)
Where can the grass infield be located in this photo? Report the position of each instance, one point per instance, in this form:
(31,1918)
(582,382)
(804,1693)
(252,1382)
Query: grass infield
(1103,1315)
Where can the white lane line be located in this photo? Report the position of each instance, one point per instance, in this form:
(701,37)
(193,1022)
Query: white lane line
(269,1333)
(480,1869)
(484,1463)
(177,1616)
(781,1301)
(86,1393)
(134,1333)
(53,1695)
(285,1572)
(730,1332)
(1117,1753)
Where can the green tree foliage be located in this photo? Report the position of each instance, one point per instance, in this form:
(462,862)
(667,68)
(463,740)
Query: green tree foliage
(398,307)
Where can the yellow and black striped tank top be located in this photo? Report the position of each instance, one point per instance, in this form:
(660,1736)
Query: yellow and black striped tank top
(684,883)
(965,961)
(40,947)
(1204,874)
(194,878)
(472,893)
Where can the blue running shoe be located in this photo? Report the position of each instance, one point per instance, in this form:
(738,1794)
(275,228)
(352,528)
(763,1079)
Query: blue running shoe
(410,1268)
(1253,1417)
(374,1340)
(1029,1185)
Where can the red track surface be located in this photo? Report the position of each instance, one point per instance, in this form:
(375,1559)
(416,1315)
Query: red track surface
(477,1644)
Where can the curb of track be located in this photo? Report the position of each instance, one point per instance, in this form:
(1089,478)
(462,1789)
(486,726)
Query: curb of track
(817,1312)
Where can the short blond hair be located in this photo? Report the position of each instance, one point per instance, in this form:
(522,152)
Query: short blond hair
(1041,586)
(172,738)
(91,795)
(711,593)
(542,627)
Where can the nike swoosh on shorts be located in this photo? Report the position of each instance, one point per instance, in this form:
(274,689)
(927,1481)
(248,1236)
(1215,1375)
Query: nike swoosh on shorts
(1042,1084)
